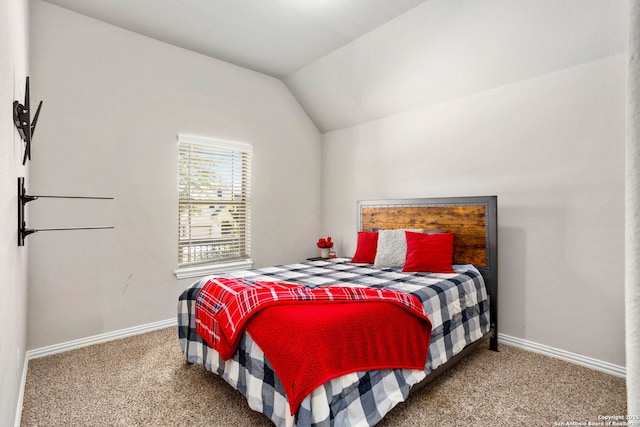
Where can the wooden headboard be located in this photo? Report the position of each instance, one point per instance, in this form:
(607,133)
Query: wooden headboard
(474,220)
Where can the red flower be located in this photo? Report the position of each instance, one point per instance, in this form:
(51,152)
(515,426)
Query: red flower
(325,243)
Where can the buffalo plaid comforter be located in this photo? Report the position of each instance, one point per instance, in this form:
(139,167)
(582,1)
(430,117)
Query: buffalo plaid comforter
(456,304)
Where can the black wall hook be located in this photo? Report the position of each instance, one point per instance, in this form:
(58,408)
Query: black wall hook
(22,120)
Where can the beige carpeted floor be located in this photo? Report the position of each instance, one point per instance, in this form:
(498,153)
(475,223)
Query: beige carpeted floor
(143,381)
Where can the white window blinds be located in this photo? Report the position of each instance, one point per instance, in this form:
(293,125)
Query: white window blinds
(214,197)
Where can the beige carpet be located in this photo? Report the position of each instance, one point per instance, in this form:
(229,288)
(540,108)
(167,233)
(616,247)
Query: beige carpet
(143,381)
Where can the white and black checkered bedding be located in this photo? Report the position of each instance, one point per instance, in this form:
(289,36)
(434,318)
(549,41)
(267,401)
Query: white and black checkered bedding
(456,304)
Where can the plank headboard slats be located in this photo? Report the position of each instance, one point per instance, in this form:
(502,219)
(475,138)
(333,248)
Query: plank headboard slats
(467,222)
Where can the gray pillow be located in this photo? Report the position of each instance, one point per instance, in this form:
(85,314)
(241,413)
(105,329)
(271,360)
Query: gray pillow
(392,248)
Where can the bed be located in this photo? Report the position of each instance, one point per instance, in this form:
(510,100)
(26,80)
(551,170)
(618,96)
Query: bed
(461,306)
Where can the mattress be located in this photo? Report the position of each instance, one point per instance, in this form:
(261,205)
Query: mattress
(456,303)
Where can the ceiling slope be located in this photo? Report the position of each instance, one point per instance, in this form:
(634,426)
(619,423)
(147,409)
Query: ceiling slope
(443,50)
(352,61)
(274,37)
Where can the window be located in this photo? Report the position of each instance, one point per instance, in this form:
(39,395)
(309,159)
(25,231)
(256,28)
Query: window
(213,206)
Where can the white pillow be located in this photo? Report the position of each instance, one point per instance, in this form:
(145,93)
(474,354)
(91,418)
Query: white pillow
(392,248)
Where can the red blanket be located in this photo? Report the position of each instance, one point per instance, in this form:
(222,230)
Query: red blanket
(311,335)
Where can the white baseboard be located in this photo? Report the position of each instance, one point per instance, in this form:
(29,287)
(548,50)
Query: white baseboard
(23,383)
(598,365)
(97,339)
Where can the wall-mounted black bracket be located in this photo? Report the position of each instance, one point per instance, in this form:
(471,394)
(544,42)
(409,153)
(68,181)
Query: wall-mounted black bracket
(22,120)
(24,198)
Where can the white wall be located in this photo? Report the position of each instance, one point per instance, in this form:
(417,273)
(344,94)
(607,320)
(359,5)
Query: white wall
(550,146)
(13,260)
(114,103)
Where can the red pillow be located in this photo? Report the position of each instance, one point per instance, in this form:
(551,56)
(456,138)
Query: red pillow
(367,247)
(429,252)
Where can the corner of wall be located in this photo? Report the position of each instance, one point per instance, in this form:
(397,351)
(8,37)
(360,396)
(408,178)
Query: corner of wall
(13,260)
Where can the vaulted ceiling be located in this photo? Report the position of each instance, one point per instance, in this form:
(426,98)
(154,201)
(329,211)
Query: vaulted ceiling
(353,61)
(275,37)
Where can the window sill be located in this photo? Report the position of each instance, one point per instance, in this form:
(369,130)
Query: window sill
(205,270)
